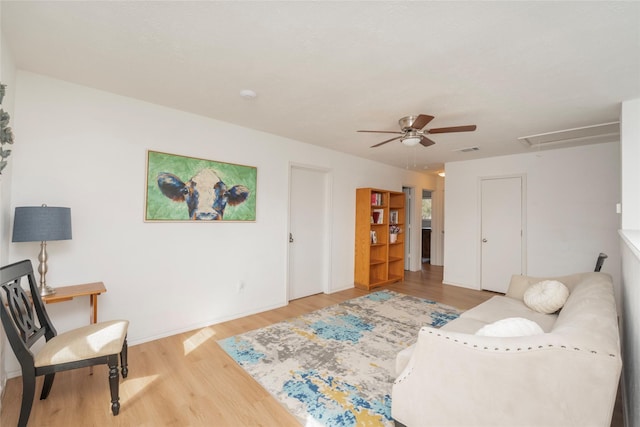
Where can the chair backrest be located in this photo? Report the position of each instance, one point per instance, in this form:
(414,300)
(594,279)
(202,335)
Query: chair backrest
(600,261)
(21,326)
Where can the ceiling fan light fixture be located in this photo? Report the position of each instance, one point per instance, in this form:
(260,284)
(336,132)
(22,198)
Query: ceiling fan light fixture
(411,140)
(248,94)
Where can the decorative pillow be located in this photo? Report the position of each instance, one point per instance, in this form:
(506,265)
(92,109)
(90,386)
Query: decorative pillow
(511,327)
(547,296)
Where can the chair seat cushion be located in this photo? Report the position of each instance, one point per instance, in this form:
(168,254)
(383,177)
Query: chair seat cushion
(98,339)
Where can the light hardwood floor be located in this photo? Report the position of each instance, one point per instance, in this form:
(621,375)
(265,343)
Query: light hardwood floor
(188,380)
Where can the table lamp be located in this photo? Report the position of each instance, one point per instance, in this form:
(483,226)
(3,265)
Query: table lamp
(42,224)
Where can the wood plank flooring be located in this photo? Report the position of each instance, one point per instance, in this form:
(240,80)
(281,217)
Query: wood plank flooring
(188,380)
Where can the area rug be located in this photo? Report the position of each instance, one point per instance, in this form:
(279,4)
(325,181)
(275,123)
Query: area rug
(335,366)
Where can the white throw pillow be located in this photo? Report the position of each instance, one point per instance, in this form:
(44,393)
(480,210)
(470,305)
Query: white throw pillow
(511,327)
(547,296)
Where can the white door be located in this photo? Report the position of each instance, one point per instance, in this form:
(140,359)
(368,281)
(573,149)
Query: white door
(502,235)
(307,225)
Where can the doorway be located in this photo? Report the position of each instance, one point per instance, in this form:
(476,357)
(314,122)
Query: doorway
(502,231)
(309,225)
(426,217)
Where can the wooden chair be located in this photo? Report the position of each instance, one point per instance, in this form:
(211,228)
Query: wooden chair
(600,261)
(95,344)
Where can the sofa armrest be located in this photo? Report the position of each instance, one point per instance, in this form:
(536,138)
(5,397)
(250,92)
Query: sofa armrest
(462,379)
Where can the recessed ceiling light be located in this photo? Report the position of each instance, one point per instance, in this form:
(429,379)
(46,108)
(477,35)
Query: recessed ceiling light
(248,94)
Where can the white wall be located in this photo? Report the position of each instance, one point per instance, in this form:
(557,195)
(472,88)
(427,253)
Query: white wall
(630,135)
(630,243)
(7,77)
(86,149)
(571,196)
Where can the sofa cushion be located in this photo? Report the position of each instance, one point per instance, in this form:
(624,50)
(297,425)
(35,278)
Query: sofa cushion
(465,325)
(511,327)
(519,284)
(500,307)
(547,296)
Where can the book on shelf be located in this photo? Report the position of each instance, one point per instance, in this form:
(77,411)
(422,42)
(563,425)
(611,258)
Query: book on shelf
(376,199)
(378,216)
(393,217)
(374,237)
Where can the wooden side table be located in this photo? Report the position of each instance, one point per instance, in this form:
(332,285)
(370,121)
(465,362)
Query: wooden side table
(67,293)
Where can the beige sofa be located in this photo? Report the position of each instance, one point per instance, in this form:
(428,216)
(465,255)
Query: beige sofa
(566,376)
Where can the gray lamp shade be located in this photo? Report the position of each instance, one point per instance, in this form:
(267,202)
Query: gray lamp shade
(41,224)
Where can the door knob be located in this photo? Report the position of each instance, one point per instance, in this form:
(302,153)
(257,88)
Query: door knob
(290,238)
(484,240)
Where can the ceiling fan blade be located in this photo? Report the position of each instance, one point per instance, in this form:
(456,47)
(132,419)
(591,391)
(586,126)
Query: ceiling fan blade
(384,142)
(380,131)
(421,121)
(426,141)
(467,128)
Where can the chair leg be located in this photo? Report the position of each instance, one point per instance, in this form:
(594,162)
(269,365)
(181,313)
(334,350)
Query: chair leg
(46,386)
(28,392)
(114,383)
(123,359)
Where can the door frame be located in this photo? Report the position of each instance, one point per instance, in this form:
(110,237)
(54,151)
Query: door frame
(325,241)
(523,221)
(409,194)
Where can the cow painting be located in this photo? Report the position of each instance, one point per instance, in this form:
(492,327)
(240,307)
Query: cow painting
(205,194)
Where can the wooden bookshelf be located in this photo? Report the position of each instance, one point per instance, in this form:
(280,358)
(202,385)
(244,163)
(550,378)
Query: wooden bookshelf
(378,261)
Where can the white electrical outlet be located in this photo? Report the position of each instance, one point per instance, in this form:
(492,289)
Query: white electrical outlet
(618,208)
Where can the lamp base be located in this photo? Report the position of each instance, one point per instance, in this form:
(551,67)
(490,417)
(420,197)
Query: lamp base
(42,269)
(46,290)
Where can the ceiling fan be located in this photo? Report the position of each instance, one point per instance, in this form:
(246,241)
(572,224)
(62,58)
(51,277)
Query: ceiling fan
(413,133)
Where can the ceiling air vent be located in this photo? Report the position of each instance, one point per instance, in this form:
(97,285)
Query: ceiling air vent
(467,150)
(605,132)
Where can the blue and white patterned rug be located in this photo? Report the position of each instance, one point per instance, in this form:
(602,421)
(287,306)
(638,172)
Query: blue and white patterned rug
(335,366)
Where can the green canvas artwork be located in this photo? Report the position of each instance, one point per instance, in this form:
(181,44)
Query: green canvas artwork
(181,188)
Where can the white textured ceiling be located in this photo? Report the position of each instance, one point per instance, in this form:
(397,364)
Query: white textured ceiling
(323,70)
